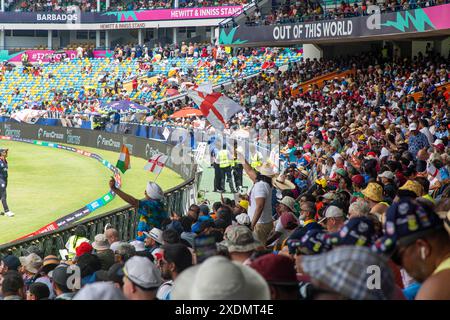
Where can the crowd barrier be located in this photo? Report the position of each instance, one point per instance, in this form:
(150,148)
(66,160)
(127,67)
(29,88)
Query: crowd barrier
(178,199)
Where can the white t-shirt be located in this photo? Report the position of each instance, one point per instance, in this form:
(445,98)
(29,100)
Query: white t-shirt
(164,291)
(261,189)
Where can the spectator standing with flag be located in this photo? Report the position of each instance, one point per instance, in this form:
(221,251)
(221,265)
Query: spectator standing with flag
(151,211)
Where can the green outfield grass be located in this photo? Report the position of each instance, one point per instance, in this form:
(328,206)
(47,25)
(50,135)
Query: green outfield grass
(46,183)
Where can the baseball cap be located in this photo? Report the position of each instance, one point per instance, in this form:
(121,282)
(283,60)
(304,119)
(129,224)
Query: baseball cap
(358,180)
(412,127)
(60,275)
(387,174)
(142,272)
(332,212)
(358,231)
(329,196)
(341,172)
(12,262)
(314,241)
(276,269)
(155,234)
(239,238)
(138,245)
(243,219)
(406,221)
(83,248)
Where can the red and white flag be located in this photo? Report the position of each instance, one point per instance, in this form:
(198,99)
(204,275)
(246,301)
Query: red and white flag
(156,163)
(215,106)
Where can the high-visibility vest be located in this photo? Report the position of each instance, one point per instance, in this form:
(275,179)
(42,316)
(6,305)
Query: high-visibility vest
(73,243)
(224,162)
(256,161)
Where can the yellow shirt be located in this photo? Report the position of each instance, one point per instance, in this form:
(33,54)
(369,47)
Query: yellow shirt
(445,265)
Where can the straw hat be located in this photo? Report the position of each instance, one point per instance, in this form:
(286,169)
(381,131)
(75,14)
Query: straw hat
(413,186)
(282,183)
(267,169)
(288,202)
(373,191)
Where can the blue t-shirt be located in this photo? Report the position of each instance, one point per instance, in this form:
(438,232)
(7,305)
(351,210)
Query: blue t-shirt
(151,215)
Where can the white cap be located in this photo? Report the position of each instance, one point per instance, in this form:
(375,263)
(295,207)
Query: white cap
(154,191)
(243,219)
(413,126)
(139,246)
(387,175)
(332,212)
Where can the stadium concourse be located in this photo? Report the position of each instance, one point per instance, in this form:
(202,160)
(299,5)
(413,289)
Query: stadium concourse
(365,182)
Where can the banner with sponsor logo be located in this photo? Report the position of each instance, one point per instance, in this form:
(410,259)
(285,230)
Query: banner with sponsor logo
(49,55)
(119,16)
(82,212)
(180,159)
(392,23)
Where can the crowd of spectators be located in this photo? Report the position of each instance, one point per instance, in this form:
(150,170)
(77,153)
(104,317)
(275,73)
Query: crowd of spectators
(307,11)
(364,181)
(115,5)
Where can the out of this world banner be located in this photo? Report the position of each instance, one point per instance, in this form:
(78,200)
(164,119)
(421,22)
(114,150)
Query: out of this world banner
(377,24)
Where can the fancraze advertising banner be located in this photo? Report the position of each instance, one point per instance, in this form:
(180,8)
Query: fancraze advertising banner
(57,137)
(87,209)
(179,159)
(119,16)
(402,22)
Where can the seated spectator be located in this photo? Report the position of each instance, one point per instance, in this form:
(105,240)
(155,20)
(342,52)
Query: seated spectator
(141,279)
(38,291)
(240,243)
(13,287)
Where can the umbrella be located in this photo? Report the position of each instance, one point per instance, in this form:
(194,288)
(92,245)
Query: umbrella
(172,92)
(125,105)
(186,113)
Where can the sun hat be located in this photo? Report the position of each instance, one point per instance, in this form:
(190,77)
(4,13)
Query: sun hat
(154,191)
(276,269)
(142,272)
(414,187)
(332,212)
(49,263)
(32,262)
(219,278)
(288,202)
(373,191)
(267,169)
(155,234)
(239,238)
(282,183)
(344,270)
(387,174)
(100,242)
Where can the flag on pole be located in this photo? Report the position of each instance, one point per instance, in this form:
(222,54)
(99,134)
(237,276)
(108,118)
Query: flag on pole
(156,163)
(215,106)
(123,164)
